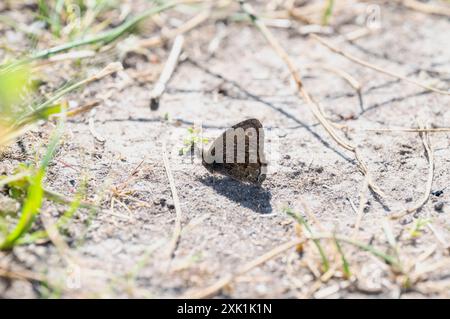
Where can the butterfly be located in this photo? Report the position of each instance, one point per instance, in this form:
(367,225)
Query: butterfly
(239,153)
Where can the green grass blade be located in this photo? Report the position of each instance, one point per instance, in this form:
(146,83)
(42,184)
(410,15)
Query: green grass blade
(387,258)
(30,210)
(35,195)
(302,221)
(104,37)
(328,12)
(345,264)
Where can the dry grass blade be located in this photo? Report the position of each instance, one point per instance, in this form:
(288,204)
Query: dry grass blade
(387,258)
(21,275)
(93,130)
(341,73)
(108,70)
(313,105)
(375,67)
(84,108)
(226,280)
(412,130)
(301,221)
(427,8)
(184,28)
(177,230)
(428,185)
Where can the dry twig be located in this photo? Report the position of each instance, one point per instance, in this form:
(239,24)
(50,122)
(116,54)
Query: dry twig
(169,35)
(427,8)
(412,130)
(177,230)
(167,72)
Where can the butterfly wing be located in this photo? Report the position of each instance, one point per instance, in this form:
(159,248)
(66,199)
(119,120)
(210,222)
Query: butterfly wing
(251,167)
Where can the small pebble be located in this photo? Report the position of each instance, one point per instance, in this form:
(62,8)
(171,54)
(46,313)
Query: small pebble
(437,193)
(170,206)
(439,206)
(405,221)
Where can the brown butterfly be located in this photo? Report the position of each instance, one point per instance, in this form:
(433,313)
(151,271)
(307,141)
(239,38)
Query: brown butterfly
(239,153)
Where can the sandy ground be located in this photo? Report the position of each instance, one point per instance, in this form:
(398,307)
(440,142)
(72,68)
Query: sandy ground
(123,251)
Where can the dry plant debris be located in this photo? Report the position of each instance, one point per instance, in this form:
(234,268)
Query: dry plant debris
(93,208)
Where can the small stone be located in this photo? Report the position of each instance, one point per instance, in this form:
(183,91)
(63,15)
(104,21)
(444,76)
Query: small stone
(437,193)
(407,220)
(170,206)
(162,201)
(439,207)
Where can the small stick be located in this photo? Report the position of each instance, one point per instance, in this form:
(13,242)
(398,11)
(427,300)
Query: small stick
(426,7)
(214,44)
(177,230)
(313,105)
(80,109)
(184,28)
(429,184)
(92,129)
(357,34)
(167,72)
(355,210)
(413,130)
(341,73)
(226,280)
(375,67)
(83,108)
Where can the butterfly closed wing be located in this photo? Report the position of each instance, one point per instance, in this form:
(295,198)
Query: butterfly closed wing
(239,153)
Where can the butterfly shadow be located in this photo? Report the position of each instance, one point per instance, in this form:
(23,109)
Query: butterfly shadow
(253,197)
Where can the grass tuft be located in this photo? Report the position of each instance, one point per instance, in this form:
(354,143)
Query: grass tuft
(35,194)
(302,221)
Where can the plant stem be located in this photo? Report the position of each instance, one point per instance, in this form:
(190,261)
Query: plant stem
(104,37)
(302,221)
